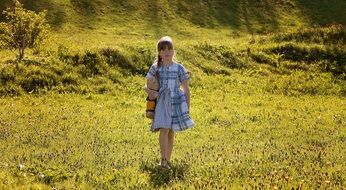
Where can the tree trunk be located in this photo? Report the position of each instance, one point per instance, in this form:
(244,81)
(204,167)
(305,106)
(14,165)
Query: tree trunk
(21,48)
(21,54)
(14,6)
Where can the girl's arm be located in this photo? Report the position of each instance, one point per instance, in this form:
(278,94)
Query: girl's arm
(151,93)
(186,90)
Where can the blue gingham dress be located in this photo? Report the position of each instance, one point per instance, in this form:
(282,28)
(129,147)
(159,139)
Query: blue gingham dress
(171,108)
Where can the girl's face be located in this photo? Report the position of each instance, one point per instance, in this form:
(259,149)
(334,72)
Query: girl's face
(166,53)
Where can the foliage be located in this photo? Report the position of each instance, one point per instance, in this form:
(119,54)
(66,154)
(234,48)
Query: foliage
(334,34)
(70,70)
(223,55)
(23,29)
(93,64)
(334,59)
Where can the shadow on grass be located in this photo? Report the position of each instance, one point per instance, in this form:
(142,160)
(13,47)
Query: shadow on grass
(56,13)
(324,12)
(160,177)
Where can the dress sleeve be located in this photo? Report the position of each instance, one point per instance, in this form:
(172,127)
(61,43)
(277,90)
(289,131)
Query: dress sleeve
(182,74)
(152,71)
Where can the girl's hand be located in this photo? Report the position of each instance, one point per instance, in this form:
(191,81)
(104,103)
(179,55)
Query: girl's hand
(151,93)
(186,90)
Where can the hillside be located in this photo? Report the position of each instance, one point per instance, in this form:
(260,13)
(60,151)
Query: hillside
(98,43)
(185,19)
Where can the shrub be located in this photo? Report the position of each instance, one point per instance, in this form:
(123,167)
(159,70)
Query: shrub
(10,89)
(64,54)
(334,59)
(290,52)
(24,29)
(295,66)
(141,59)
(103,89)
(94,64)
(114,57)
(7,74)
(223,55)
(263,58)
(37,78)
(70,78)
(335,34)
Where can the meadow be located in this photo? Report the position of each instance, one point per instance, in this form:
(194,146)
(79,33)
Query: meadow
(267,96)
(244,139)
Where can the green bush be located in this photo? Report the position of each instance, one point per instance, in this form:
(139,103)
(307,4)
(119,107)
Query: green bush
(99,62)
(142,58)
(263,58)
(7,74)
(334,58)
(94,64)
(66,55)
(70,79)
(295,52)
(58,67)
(37,78)
(23,29)
(335,34)
(103,89)
(114,57)
(222,54)
(295,66)
(10,89)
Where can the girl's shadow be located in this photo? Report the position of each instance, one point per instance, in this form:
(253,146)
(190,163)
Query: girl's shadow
(160,176)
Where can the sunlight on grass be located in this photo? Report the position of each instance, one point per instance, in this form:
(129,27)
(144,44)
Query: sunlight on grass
(267,95)
(244,138)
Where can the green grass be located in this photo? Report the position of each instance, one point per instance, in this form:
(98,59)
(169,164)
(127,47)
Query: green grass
(268,97)
(311,61)
(244,138)
(82,21)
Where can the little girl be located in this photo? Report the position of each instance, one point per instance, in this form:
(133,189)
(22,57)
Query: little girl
(173,104)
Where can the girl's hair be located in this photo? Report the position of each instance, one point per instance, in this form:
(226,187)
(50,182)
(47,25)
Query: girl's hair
(162,44)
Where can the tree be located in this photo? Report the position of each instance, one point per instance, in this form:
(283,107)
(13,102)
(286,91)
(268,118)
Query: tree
(23,29)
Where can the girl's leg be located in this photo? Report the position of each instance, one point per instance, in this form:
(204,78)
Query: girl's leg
(170,144)
(163,139)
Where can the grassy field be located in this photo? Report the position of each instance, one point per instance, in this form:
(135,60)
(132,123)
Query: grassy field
(267,96)
(244,139)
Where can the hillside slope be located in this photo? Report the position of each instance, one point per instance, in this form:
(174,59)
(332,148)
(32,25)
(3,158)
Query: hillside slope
(100,43)
(186,18)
